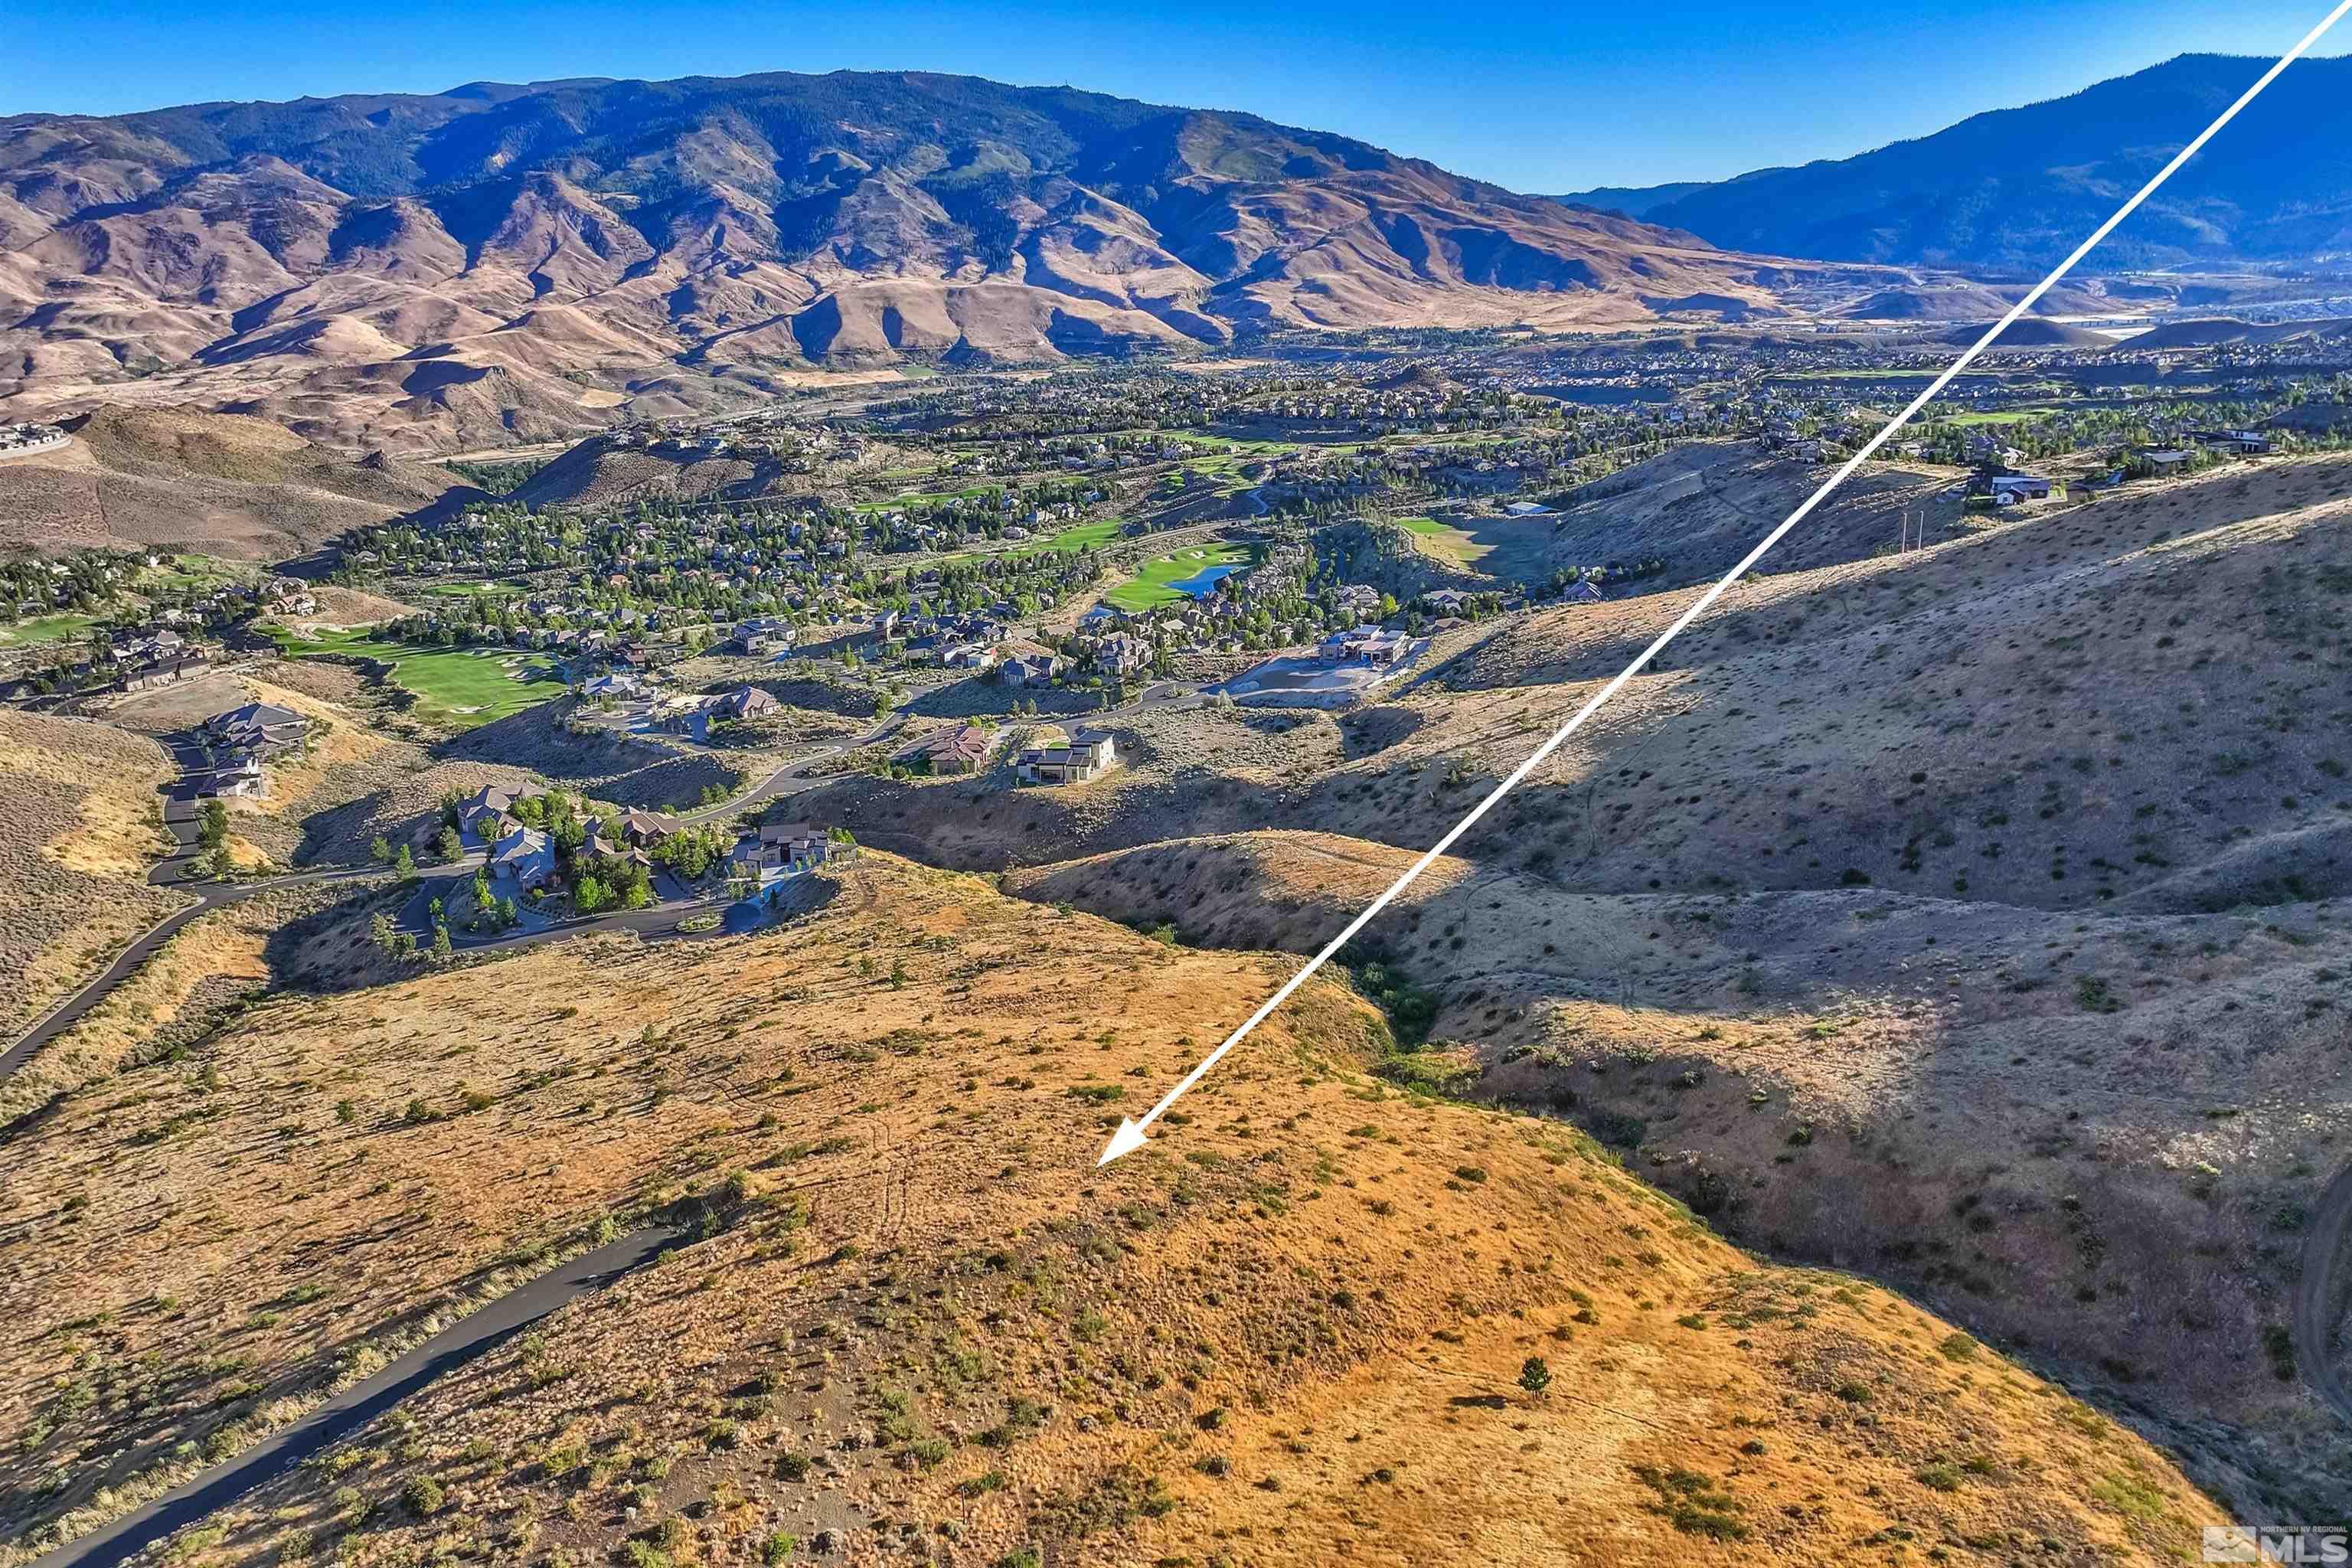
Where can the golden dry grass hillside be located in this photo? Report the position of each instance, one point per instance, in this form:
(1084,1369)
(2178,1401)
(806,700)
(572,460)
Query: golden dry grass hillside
(921,1325)
(1973,917)
(306,936)
(1702,505)
(80,824)
(2027,1121)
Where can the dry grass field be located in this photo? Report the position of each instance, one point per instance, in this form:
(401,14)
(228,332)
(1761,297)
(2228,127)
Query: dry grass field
(1974,918)
(920,1323)
(80,824)
(1702,505)
(2026,1120)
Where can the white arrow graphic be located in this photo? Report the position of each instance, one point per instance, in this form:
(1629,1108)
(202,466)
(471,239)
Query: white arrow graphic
(1131,1134)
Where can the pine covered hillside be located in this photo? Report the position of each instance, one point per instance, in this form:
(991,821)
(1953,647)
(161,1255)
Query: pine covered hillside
(522,259)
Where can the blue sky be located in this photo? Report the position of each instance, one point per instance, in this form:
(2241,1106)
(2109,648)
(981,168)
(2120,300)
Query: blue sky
(1539,96)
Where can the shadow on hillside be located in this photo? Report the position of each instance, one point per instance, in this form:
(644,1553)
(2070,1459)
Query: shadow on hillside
(605,767)
(326,950)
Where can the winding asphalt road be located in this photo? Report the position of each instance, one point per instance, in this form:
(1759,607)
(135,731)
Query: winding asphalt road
(2316,1294)
(660,920)
(790,778)
(483,1329)
(445,1352)
(209,897)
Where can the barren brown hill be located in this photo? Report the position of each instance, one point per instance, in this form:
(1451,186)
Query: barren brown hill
(2132,700)
(2024,1120)
(2030,332)
(1294,1330)
(603,473)
(435,271)
(2208,333)
(224,484)
(1980,301)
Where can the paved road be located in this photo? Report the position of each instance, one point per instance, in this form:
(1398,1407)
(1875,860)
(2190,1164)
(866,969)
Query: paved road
(182,816)
(1170,694)
(363,1402)
(660,920)
(210,896)
(2315,1297)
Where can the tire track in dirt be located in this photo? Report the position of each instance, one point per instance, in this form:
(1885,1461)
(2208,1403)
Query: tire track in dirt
(2315,1294)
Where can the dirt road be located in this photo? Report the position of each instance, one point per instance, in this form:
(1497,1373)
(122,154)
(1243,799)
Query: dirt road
(2318,1299)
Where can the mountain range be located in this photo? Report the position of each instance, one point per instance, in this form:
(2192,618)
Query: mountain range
(2016,189)
(499,260)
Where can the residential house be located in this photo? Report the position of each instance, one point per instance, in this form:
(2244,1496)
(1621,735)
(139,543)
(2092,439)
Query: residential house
(291,597)
(1123,653)
(1031,670)
(765,635)
(621,685)
(957,749)
(243,779)
(795,844)
(2008,489)
(973,655)
(258,729)
(523,859)
(1364,644)
(487,814)
(603,845)
(1060,757)
(745,702)
(646,828)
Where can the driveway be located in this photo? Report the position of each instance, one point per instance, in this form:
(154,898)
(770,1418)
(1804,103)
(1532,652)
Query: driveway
(182,816)
(210,896)
(791,778)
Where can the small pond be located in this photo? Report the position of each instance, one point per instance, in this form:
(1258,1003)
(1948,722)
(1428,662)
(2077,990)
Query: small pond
(1203,582)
